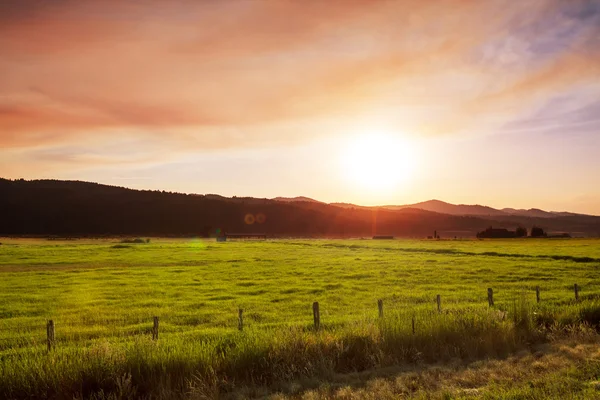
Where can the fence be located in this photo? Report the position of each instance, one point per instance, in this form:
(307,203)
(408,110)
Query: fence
(51,331)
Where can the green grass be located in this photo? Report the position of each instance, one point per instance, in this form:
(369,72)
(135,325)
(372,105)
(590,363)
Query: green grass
(103,294)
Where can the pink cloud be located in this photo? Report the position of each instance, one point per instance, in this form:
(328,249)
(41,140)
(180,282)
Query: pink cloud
(190,71)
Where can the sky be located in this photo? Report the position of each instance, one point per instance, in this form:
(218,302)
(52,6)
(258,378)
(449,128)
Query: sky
(367,102)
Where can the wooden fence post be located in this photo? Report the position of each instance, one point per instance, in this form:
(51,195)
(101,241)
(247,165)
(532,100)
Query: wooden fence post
(50,334)
(438,300)
(537,293)
(576,288)
(241,319)
(491,297)
(380,306)
(155,329)
(316,315)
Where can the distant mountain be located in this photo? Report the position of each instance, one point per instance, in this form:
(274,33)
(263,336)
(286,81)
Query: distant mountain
(451,209)
(296,199)
(537,213)
(350,205)
(567,214)
(479,210)
(442,207)
(73,208)
(532,212)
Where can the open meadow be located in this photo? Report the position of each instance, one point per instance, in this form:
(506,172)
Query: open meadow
(102,296)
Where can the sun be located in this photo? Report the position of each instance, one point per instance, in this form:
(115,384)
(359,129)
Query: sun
(378,162)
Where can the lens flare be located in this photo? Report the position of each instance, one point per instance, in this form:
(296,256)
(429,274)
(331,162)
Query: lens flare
(197,244)
(261,218)
(249,219)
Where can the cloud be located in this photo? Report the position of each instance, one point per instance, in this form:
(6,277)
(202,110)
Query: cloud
(210,75)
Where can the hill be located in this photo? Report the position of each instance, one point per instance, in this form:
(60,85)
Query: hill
(52,207)
(477,210)
(532,212)
(296,199)
(451,209)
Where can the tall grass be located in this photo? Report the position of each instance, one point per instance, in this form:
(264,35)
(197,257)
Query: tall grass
(175,366)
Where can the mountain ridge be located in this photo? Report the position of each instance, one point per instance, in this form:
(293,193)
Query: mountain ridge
(75,208)
(443,207)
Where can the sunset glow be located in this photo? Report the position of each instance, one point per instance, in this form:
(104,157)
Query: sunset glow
(378,162)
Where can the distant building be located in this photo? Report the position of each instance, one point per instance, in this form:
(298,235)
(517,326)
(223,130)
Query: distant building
(383,237)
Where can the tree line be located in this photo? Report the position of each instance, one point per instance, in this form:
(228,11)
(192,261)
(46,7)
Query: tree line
(71,208)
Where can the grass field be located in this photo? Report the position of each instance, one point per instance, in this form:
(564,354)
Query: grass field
(102,295)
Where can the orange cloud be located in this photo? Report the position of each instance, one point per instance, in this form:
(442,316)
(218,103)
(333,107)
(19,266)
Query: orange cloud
(227,74)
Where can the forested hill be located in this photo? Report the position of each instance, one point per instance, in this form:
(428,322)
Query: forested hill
(51,207)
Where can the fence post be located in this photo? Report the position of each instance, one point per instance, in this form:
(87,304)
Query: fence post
(380,306)
(438,300)
(413,324)
(241,319)
(316,315)
(576,288)
(50,334)
(537,293)
(491,297)
(155,329)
